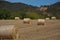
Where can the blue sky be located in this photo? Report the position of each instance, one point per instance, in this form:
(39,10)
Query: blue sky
(36,2)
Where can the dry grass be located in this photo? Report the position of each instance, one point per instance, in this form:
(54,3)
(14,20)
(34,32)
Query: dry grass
(50,31)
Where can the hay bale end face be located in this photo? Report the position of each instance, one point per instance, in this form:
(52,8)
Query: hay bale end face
(26,20)
(17,18)
(53,18)
(8,32)
(47,19)
(41,22)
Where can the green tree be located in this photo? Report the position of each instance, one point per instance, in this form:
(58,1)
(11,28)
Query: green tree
(32,15)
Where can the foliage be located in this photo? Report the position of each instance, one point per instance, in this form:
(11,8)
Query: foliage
(32,15)
(11,10)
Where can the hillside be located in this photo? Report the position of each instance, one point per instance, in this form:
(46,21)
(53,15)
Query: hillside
(54,9)
(16,9)
(56,4)
(51,10)
(10,10)
(17,6)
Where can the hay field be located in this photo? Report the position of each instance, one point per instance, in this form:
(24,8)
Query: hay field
(50,31)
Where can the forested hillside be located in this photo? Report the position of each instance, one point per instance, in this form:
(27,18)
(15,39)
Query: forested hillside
(54,10)
(10,10)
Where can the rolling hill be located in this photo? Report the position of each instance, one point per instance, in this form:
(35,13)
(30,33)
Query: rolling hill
(10,10)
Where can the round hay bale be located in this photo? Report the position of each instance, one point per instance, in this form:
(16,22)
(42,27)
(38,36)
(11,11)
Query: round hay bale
(47,19)
(41,22)
(53,18)
(26,20)
(17,18)
(8,32)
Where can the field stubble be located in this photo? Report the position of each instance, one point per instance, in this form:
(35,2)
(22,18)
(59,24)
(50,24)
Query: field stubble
(49,31)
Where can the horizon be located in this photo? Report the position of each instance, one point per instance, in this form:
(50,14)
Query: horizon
(37,3)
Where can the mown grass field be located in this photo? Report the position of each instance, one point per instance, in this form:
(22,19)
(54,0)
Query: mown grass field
(49,31)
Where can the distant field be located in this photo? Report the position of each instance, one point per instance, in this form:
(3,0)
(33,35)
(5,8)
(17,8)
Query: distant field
(50,31)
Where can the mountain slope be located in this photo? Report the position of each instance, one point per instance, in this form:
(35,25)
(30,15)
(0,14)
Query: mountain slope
(54,9)
(17,6)
(10,10)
